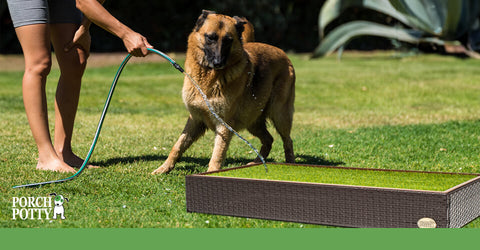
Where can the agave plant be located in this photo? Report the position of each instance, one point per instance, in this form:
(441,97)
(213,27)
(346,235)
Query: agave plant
(432,21)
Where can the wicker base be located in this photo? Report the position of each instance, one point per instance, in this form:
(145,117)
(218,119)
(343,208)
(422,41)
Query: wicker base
(338,205)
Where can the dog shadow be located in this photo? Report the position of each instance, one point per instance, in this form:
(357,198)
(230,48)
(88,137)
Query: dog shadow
(193,164)
(316,160)
(200,164)
(129,159)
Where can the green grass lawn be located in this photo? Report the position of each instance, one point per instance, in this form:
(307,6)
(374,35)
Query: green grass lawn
(367,111)
(348,176)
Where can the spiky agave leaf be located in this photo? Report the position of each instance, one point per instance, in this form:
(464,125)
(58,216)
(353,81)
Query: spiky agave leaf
(333,8)
(348,31)
(446,20)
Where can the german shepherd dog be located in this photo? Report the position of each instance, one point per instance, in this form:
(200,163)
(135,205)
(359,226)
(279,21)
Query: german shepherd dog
(246,83)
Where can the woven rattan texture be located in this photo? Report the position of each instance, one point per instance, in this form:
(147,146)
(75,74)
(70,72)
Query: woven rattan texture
(465,204)
(348,206)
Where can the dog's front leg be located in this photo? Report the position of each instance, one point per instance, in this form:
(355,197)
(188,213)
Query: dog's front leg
(223,136)
(192,131)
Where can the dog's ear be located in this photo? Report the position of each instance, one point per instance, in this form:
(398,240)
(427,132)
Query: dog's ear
(241,21)
(201,18)
(53,194)
(66,199)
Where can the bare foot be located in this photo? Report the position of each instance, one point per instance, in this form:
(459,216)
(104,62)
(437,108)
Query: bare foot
(75,161)
(55,165)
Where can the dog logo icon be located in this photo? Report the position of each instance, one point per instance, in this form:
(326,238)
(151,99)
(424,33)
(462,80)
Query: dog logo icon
(59,209)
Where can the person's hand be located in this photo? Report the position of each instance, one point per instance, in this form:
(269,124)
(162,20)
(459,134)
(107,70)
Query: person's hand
(81,40)
(136,44)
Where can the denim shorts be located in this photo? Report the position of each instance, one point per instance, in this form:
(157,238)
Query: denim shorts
(26,12)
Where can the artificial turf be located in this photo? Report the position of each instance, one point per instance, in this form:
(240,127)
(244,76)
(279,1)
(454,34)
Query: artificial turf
(349,176)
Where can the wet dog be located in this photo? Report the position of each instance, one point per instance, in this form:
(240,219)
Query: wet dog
(246,84)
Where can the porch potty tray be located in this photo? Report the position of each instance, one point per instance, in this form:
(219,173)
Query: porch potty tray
(349,205)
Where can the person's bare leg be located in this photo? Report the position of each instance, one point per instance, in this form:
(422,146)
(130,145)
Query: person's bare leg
(72,66)
(35,42)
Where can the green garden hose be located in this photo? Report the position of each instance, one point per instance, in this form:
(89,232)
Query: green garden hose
(107,104)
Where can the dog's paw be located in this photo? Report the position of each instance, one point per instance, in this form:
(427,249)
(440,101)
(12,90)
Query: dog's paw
(213,167)
(161,170)
(256,161)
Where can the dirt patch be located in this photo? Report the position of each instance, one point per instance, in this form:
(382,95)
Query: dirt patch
(96,60)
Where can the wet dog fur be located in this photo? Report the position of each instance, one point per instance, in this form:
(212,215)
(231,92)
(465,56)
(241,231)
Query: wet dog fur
(246,83)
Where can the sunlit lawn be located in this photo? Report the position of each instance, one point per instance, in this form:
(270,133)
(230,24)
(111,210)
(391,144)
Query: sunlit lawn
(374,111)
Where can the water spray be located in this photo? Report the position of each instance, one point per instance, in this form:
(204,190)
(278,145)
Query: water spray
(107,104)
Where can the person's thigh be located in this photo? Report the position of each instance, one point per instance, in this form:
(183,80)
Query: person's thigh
(74,61)
(30,19)
(35,42)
